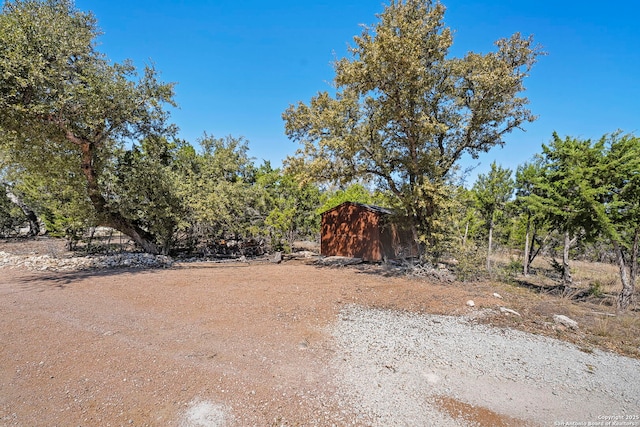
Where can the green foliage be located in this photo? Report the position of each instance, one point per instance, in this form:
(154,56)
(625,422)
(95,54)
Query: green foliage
(65,211)
(492,192)
(509,271)
(620,212)
(526,205)
(142,189)
(570,184)
(568,190)
(224,196)
(405,111)
(216,188)
(529,221)
(291,208)
(469,263)
(11,216)
(356,193)
(596,289)
(57,197)
(58,90)
(527,175)
(465,218)
(67,106)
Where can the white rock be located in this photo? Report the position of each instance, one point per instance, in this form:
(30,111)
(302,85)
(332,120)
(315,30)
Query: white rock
(470,303)
(565,321)
(340,260)
(45,262)
(509,311)
(497,295)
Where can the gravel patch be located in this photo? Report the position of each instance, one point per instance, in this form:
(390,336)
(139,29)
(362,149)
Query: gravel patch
(394,367)
(53,263)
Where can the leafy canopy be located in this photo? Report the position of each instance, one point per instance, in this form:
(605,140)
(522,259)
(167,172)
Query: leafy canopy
(404,111)
(570,185)
(492,191)
(66,107)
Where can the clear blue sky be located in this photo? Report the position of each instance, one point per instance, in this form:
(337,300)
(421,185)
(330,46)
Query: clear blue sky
(239,64)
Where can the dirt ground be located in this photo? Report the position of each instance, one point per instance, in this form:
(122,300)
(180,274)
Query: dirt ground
(157,347)
(126,347)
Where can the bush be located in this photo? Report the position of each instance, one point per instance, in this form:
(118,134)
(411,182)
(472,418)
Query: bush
(509,271)
(469,263)
(596,289)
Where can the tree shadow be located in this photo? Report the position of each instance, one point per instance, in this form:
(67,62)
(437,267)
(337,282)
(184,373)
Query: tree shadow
(576,294)
(61,280)
(370,268)
(555,289)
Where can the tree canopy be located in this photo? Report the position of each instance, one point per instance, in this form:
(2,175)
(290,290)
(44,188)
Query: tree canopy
(568,189)
(618,212)
(404,112)
(65,106)
(492,190)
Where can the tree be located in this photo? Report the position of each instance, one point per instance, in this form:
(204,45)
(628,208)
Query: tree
(141,185)
(216,186)
(290,207)
(492,191)
(11,215)
(568,191)
(65,105)
(29,214)
(55,195)
(356,193)
(465,218)
(619,212)
(527,175)
(404,111)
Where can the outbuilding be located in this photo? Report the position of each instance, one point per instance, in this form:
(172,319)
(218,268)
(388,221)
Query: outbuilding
(364,231)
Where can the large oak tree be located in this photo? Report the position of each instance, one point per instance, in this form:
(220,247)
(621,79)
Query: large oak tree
(64,104)
(404,111)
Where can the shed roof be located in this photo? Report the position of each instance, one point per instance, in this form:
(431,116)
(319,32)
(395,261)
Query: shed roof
(373,208)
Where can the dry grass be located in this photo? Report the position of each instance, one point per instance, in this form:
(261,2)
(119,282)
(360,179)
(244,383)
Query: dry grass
(592,303)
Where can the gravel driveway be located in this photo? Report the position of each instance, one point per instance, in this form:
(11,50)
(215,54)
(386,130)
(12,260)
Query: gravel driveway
(409,369)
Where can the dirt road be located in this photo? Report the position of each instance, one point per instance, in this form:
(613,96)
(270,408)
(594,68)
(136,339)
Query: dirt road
(142,347)
(196,345)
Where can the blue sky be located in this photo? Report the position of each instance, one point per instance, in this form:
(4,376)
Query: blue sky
(239,64)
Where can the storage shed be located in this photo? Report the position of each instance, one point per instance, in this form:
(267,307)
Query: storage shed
(364,231)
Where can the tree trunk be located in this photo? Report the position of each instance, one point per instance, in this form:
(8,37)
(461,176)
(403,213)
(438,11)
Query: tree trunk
(34,222)
(527,238)
(626,294)
(416,240)
(466,234)
(533,254)
(566,273)
(108,217)
(634,257)
(490,245)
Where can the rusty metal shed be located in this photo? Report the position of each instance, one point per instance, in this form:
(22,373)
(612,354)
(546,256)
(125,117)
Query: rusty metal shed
(364,231)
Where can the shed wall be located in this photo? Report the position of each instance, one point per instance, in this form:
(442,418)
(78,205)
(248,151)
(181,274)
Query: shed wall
(351,230)
(367,232)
